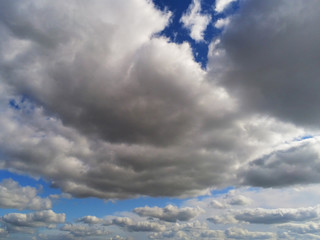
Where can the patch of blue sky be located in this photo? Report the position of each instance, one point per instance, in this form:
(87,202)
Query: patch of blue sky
(301,138)
(176,32)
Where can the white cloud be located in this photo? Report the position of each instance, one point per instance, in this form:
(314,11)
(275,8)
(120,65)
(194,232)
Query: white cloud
(12,195)
(222,22)
(195,21)
(221,5)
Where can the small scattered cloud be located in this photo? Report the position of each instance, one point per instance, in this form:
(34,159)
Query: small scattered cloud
(195,21)
(221,5)
(169,213)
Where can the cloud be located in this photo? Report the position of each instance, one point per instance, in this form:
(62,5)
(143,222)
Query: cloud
(124,113)
(137,226)
(239,233)
(195,21)
(301,228)
(270,50)
(222,22)
(274,216)
(20,222)
(90,220)
(83,230)
(295,165)
(221,5)
(12,195)
(169,213)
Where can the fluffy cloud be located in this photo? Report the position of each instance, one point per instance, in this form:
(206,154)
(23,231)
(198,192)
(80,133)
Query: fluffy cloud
(125,113)
(12,195)
(19,222)
(169,213)
(195,21)
(93,115)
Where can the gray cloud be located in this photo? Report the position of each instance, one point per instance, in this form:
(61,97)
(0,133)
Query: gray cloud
(169,213)
(269,54)
(107,110)
(294,165)
(20,222)
(12,195)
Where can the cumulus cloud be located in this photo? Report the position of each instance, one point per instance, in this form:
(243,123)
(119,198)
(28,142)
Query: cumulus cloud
(195,21)
(12,195)
(20,222)
(125,113)
(169,213)
(100,113)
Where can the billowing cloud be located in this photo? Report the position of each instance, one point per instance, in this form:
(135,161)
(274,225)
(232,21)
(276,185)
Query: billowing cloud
(125,113)
(12,195)
(169,213)
(195,21)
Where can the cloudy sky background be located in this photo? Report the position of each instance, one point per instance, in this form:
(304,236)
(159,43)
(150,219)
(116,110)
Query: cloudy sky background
(136,119)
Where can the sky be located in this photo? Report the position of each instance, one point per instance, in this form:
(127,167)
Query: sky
(163,119)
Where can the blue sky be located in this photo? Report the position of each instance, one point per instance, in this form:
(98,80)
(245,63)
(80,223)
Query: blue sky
(137,119)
